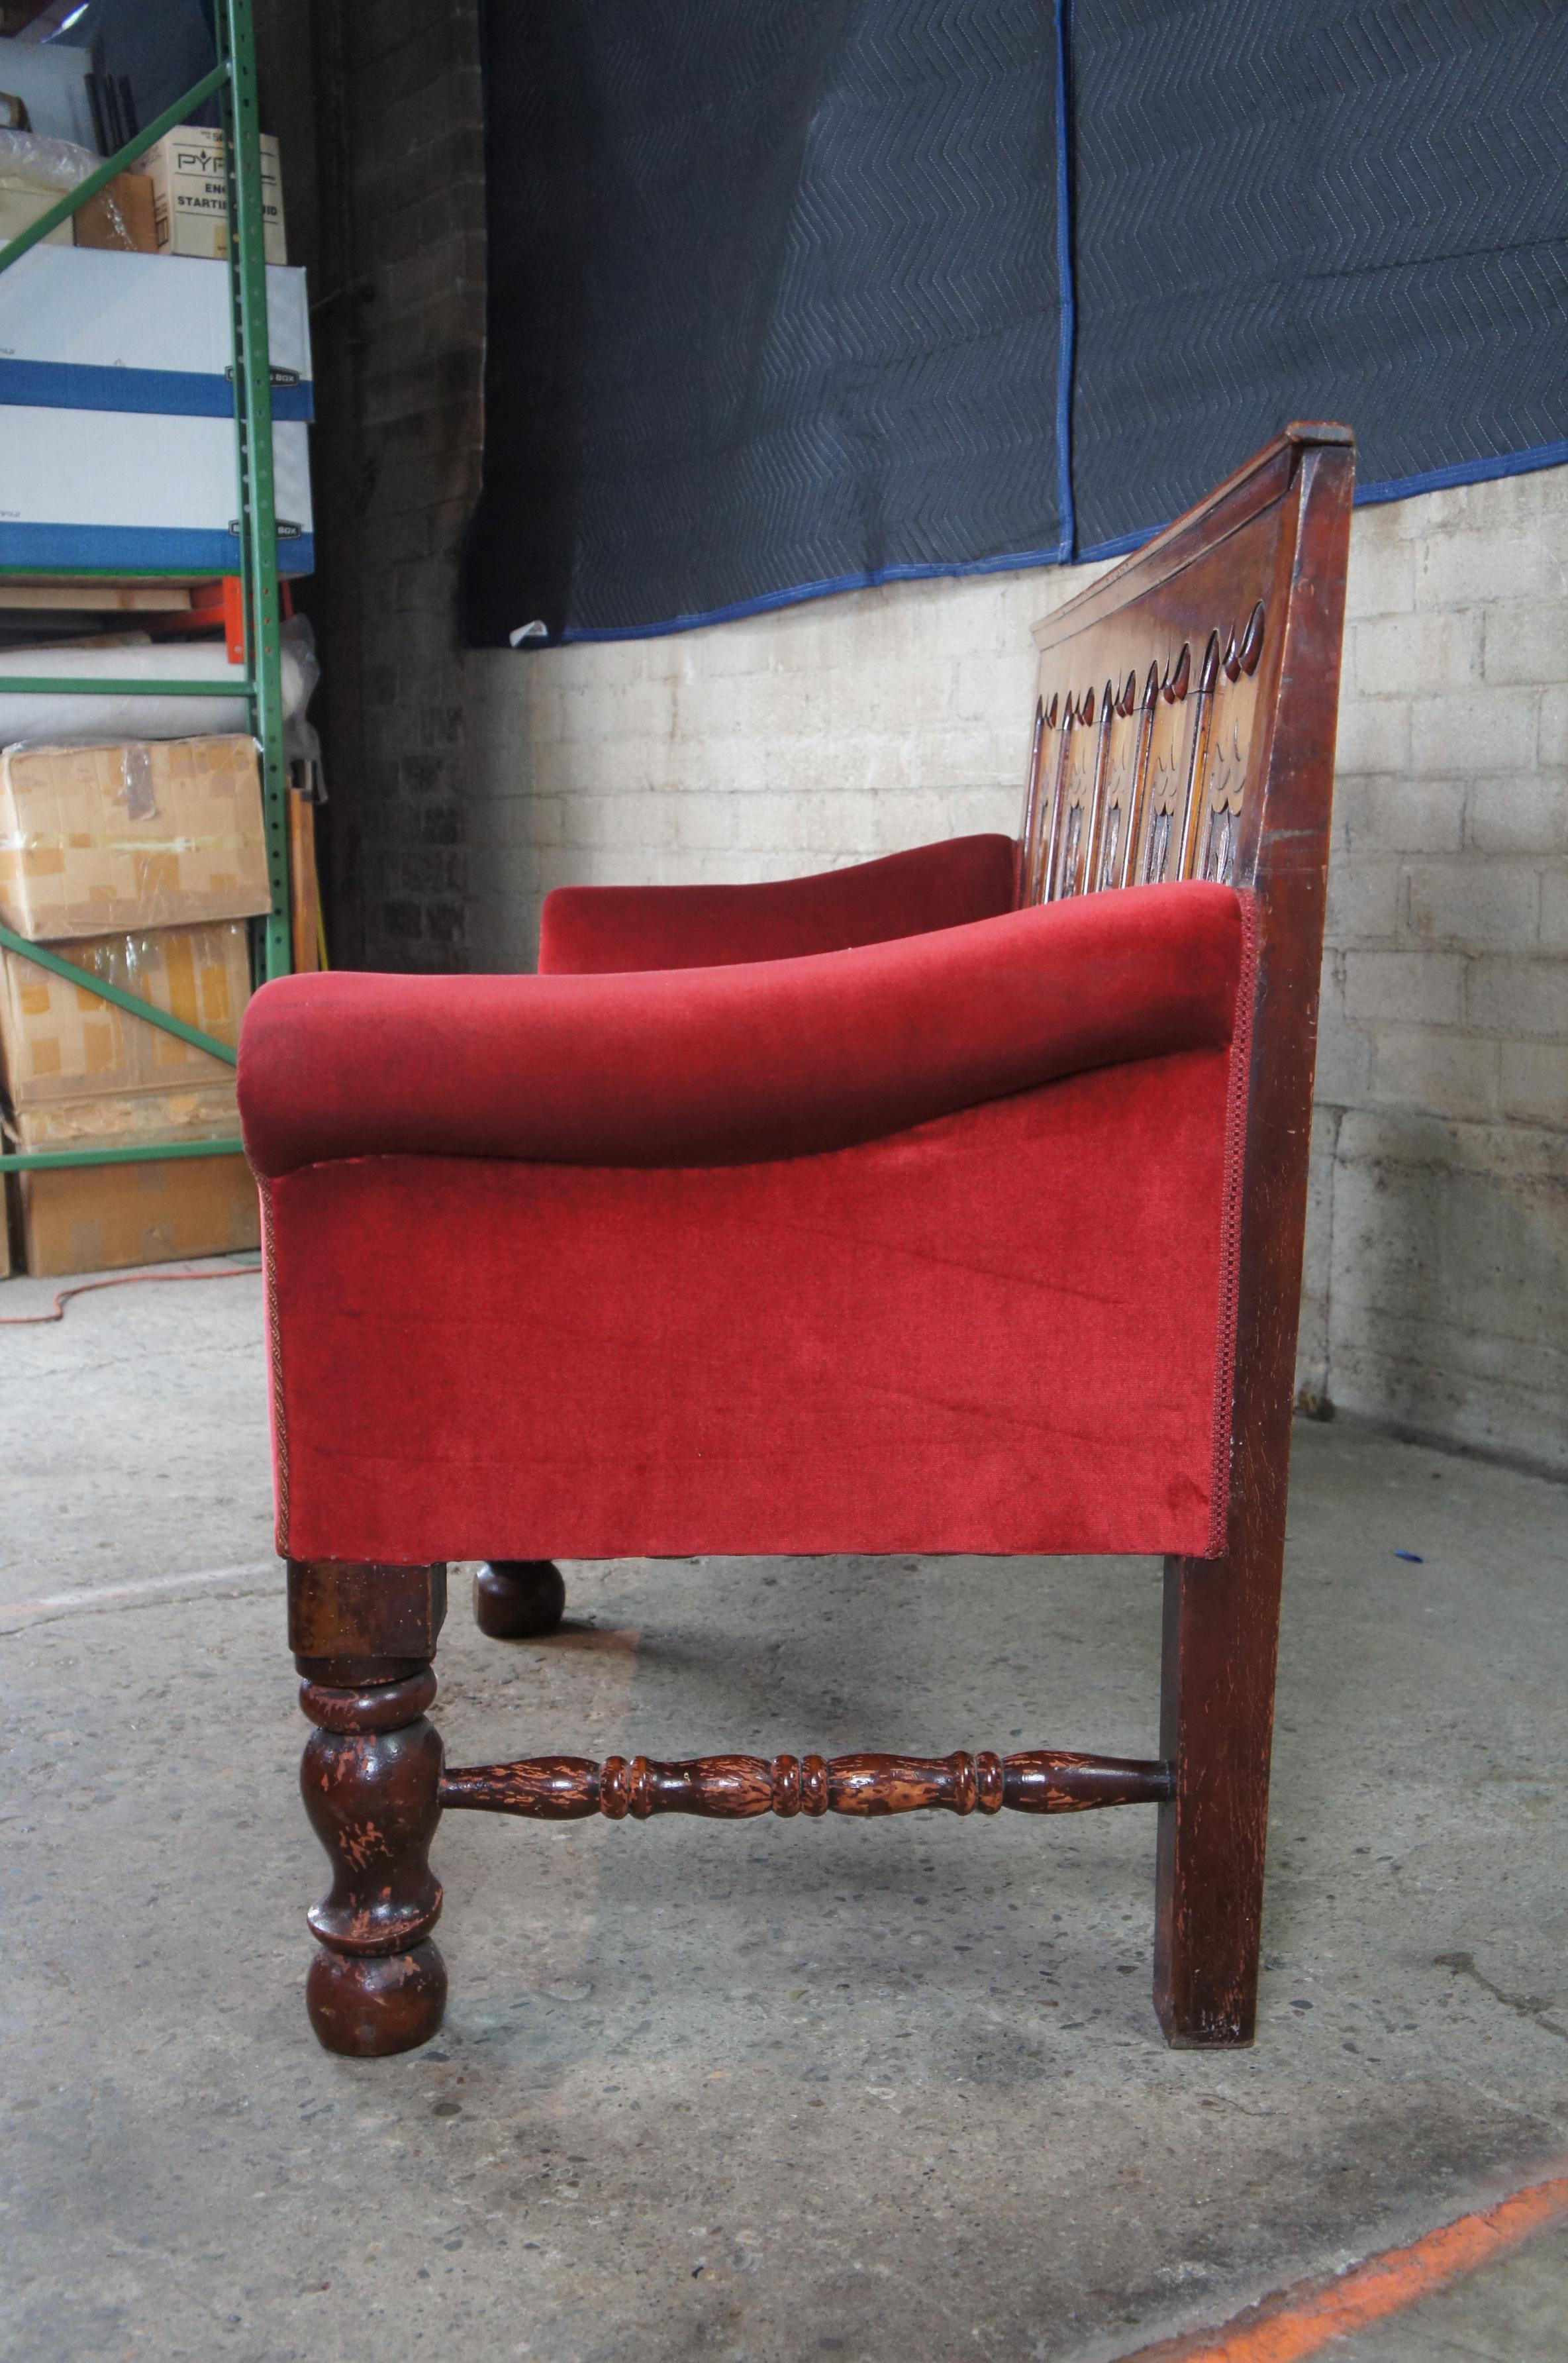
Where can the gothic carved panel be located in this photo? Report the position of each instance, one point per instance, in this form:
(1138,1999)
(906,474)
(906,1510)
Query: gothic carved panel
(1168,776)
(1142,778)
(1230,751)
(1036,798)
(1070,872)
(1128,733)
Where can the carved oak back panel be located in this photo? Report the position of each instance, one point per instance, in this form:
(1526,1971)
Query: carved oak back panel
(1157,729)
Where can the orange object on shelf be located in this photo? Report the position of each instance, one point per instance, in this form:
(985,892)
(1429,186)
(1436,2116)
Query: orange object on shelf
(304,888)
(216,606)
(222,603)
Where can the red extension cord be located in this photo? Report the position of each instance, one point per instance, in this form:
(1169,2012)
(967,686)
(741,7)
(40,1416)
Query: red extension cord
(126,1280)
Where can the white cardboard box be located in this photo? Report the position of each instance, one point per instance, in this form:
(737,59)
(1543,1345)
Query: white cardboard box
(189,195)
(20,207)
(82,328)
(127,490)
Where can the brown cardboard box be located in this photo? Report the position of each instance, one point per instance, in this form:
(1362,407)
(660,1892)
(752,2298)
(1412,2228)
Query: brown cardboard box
(191,200)
(99,1217)
(121,217)
(204,1112)
(94,1217)
(152,833)
(59,1041)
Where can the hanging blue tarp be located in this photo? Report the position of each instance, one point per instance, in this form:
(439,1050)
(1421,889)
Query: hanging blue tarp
(774,291)
(1301,211)
(791,299)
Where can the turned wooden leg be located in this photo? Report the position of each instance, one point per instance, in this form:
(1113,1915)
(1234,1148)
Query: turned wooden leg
(517,1598)
(364,1636)
(1221,1627)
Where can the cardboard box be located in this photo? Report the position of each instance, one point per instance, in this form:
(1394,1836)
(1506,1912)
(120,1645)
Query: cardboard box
(20,206)
(59,1041)
(96,1217)
(200,1111)
(84,330)
(128,492)
(120,217)
(101,1217)
(191,197)
(154,833)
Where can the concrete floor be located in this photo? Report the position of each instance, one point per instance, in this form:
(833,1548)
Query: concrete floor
(777,2091)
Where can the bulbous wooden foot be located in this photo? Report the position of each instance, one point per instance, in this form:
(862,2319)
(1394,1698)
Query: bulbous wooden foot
(518,1599)
(368,2005)
(371,1776)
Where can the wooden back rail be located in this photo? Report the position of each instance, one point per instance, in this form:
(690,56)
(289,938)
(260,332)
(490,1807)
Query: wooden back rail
(1183,728)
(1158,697)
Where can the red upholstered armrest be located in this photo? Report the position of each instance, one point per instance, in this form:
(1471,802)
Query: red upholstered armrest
(726,1066)
(592,930)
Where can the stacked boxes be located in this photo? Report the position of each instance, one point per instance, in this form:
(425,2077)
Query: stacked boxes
(141,862)
(117,413)
(157,848)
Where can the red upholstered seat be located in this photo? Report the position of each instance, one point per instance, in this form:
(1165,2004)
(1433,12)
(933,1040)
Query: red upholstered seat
(726,1066)
(919,1245)
(597,927)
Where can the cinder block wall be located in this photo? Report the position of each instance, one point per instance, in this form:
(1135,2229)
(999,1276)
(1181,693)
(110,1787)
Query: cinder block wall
(1437,1282)
(803,739)
(1437,1286)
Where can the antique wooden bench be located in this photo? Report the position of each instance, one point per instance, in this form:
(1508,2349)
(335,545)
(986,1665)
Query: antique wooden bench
(953,1202)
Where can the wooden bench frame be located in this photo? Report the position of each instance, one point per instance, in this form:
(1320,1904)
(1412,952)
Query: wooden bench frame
(1238,613)
(1185,727)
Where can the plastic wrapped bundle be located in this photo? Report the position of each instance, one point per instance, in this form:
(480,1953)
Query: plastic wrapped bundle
(35,173)
(93,720)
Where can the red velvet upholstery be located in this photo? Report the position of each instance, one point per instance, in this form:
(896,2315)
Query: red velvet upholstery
(590,929)
(998,1332)
(730,1065)
(927,1246)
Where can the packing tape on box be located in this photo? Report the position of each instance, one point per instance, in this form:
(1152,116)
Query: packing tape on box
(136,778)
(135,791)
(33,841)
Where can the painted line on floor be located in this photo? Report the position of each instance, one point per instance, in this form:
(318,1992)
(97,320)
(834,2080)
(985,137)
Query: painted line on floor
(114,1595)
(1301,2321)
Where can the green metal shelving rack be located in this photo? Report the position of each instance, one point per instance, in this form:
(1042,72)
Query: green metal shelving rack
(233,79)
